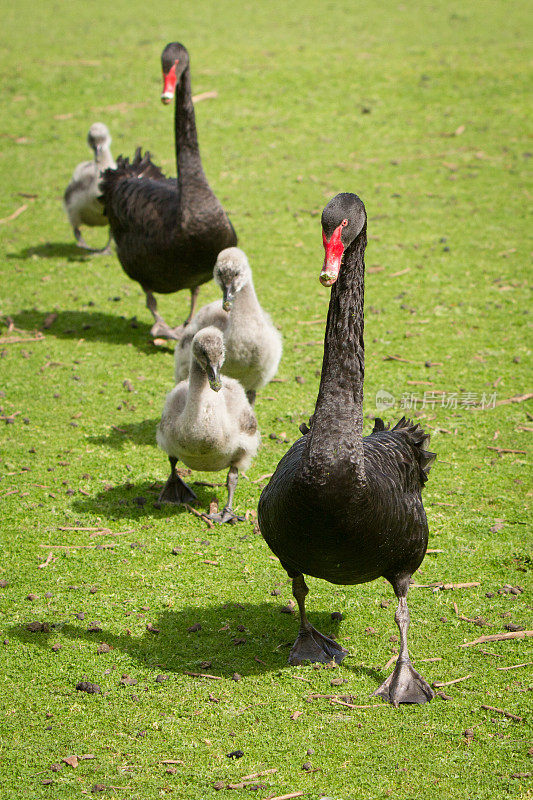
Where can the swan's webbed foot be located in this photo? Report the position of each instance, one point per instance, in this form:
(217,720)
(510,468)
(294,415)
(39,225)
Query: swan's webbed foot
(177,492)
(160,330)
(405,685)
(226,515)
(311,645)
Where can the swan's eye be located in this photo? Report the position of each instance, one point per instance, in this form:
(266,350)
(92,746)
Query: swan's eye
(344,223)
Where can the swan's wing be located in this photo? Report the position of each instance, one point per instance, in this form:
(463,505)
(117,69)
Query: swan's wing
(144,167)
(379,426)
(418,439)
(399,455)
(137,196)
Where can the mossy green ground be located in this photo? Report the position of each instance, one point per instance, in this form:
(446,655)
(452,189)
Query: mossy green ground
(422,110)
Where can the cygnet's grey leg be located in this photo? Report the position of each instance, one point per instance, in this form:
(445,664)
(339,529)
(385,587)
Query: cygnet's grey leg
(250,394)
(227,515)
(311,645)
(160,327)
(80,240)
(106,251)
(175,490)
(405,684)
(96,251)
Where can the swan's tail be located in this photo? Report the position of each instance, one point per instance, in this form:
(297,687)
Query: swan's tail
(418,440)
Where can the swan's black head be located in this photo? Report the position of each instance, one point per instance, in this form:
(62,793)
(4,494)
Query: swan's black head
(343,219)
(174,61)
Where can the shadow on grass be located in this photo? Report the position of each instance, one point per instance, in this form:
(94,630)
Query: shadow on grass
(135,432)
(93,326)
(234,637)
(54,250)
(136,501)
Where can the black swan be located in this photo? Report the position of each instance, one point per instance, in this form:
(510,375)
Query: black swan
(81,198)
(252,342)
(207,423)
(168,234)
(339,506)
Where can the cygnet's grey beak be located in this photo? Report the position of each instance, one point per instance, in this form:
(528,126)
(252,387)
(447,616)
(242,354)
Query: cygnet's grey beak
(213,376)
(228,296)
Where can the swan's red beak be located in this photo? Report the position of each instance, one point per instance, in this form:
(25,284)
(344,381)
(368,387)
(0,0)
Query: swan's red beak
(332,260)
(169,85)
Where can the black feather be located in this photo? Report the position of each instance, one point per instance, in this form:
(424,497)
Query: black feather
(340,506)
(168,233)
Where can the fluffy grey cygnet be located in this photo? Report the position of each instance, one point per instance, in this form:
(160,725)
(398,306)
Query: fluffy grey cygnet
(207,423)
(253,344)
(81,195)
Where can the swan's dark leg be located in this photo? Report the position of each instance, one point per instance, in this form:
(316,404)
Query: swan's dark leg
(194,298)
(96,251)
(160,327)
(180,330)
(175,490)
(250,394)
(227,515)
(311,645)
(404,685)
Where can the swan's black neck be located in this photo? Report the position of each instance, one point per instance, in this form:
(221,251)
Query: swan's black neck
(188,160)
(336,434)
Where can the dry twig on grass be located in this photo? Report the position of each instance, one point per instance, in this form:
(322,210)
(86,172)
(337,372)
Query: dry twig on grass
(203,675)
(211,95)
(502,450)
(206,519)
(351,705)
(470,585)
(49,558)
(498,637)
(440,684)
(505,713)
(15,214)
(518,398)
(17,339)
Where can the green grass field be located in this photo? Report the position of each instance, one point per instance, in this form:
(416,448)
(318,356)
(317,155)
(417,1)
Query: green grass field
(421,109)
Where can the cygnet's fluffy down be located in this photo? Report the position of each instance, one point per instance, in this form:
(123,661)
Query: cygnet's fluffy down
(253,344)
(207,423)
(81,195)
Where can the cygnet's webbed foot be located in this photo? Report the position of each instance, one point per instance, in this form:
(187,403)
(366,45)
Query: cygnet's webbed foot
(405,685)
(105,251)
(80,241)
(160,330)
(226,515)
(177,492)
(311,645)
